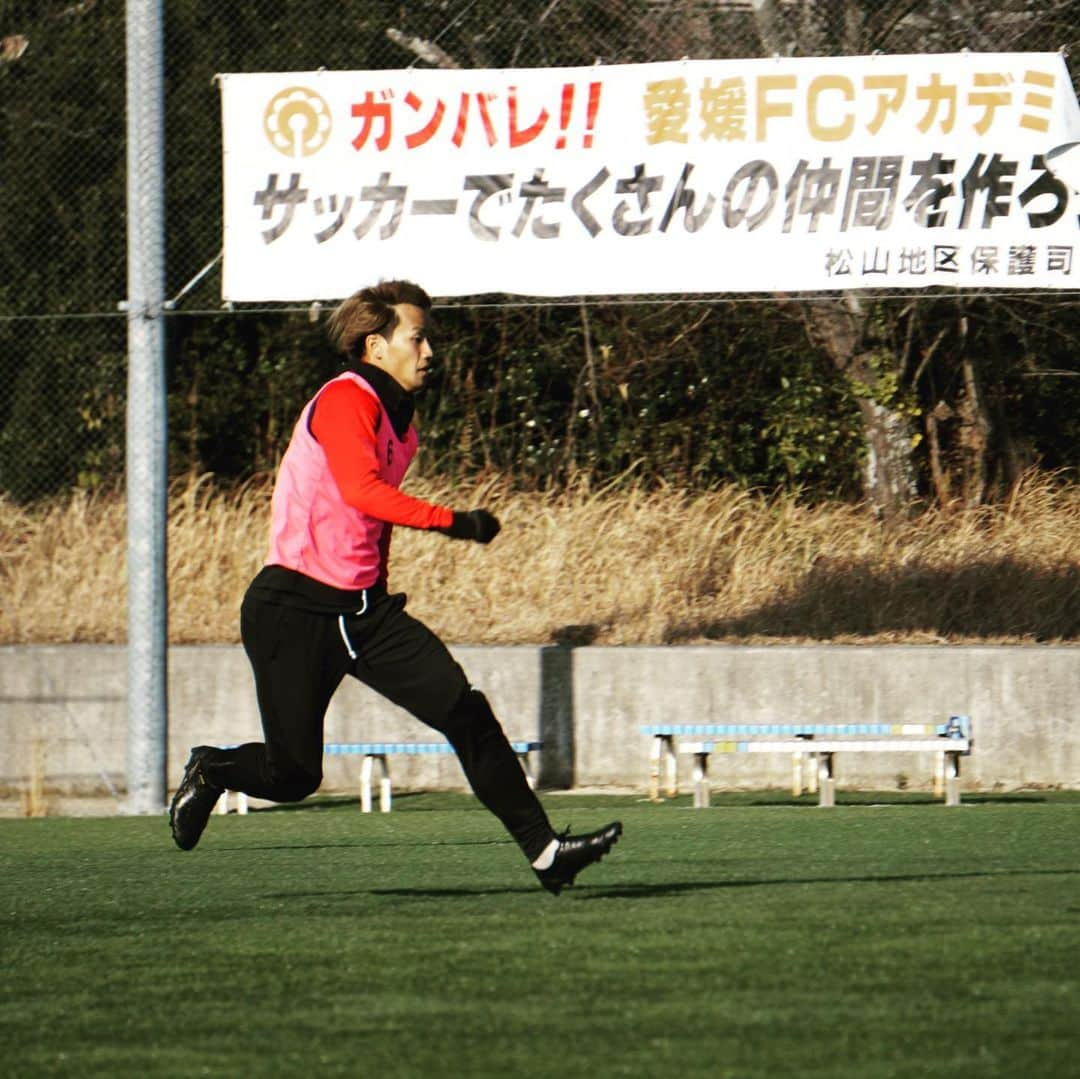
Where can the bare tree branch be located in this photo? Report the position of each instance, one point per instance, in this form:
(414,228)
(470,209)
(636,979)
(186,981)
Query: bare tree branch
(12,47)
(427,51)
(879,34)
(772,28)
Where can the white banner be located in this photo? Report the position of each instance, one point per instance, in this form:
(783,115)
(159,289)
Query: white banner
(695,176)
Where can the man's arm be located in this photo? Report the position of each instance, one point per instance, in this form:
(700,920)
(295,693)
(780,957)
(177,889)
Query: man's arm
(344,424)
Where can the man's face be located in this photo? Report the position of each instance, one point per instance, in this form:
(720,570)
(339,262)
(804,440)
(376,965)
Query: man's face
(406,356)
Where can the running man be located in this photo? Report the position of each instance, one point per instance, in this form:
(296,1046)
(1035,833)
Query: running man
(320,608)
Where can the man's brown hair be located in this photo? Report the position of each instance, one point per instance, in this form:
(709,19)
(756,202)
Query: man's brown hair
(371,310)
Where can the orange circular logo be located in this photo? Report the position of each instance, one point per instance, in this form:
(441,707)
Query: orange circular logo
(297,122)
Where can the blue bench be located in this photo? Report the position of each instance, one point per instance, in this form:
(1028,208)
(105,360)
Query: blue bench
(816,742)
(377,753)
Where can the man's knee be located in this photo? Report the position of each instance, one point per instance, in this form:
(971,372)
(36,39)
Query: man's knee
(471,717)
(292,783)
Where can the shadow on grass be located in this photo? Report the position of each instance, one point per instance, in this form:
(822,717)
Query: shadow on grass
(859,598)
(404,893)
(365,844)
(647,891)
(403,800)
(669,888)
(456,893)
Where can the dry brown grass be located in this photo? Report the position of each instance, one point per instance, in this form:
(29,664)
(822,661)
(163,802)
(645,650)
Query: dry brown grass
(606,566)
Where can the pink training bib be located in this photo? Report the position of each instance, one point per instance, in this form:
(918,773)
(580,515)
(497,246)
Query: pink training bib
(312,529)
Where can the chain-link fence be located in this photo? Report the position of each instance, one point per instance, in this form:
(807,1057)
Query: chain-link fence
(237,378)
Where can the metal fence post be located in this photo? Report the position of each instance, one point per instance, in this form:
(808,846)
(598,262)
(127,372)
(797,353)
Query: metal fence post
(146,443)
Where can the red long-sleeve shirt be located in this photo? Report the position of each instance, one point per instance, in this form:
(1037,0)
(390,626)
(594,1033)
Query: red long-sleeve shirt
(344,423)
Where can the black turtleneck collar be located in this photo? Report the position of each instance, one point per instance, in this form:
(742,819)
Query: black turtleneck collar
(396,401)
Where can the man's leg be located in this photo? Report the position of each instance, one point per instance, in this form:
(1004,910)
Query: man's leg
(400,658)
(298,660)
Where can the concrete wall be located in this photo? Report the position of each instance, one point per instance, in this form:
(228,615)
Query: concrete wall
(587,704)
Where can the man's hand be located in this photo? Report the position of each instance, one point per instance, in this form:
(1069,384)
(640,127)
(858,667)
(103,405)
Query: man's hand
(477,525)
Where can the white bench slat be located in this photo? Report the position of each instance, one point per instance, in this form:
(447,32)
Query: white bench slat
(833,745)
(340,749)
(809,730)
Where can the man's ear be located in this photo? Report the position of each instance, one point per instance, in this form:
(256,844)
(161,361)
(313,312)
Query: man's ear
(374,344)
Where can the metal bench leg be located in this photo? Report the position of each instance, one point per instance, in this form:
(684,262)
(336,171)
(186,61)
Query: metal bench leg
(663,759)
(385,794)
(655,751)
(701,780)
(951,763)
(826,780)
(241,802)
(804,766)
(672,761)
(365,783)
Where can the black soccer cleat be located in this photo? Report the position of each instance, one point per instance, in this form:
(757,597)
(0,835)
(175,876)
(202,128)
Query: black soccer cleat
(194,801)
(575,853)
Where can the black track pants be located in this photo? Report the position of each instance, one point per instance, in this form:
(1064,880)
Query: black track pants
(299,659)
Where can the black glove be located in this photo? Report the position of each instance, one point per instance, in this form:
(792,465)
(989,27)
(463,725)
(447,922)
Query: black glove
(478,525)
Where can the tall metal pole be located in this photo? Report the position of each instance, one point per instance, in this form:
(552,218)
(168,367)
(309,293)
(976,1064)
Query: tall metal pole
(146,413)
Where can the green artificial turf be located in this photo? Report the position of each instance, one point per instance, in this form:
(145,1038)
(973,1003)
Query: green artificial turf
(761,937)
